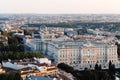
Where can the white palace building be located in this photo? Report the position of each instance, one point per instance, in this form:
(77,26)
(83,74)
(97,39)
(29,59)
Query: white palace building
(79,54)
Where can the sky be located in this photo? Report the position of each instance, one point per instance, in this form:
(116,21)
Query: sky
(60,6)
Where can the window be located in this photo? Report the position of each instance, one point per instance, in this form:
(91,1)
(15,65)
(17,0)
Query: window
(88,61)
(74,61)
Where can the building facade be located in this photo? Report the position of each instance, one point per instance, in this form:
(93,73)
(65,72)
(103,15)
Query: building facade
(77,53)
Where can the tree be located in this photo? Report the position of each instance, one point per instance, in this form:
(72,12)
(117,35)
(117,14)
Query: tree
(111,68)
(3,76)
(10,77)
(65,67)
(1,47)
(19,39)
(105,76)
(12,40)
(96,67)
(4,33)
(20,48)
(100,68)
(17,76)
(110,65)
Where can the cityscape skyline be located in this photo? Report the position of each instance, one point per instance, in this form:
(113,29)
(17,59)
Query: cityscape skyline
(60,7)
(55,40)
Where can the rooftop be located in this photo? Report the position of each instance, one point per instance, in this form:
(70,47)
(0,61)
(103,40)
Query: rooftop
(85,43)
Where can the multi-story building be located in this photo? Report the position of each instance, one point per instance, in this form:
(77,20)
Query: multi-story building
(76,53)
(35,66)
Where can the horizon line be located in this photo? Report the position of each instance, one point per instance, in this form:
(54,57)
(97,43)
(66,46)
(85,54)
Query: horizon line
(67,13)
